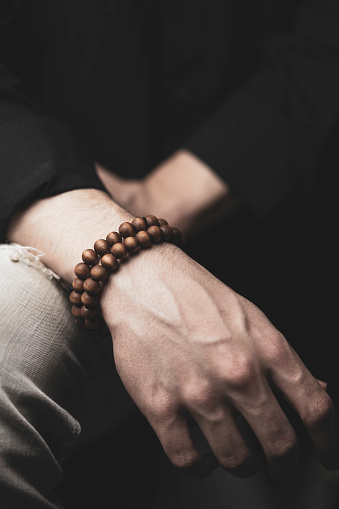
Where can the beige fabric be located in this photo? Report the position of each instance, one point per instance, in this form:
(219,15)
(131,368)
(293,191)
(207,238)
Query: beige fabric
(58,389)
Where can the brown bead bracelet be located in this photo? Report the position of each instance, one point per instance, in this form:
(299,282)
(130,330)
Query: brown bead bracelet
(99,262)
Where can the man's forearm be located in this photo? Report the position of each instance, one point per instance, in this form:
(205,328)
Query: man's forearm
(64,225)
(183,189)
(188,191)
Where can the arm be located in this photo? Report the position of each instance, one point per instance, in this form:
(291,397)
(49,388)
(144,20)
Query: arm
(40,157)
(187,345)
(183,189)
(260,142)
(264,138)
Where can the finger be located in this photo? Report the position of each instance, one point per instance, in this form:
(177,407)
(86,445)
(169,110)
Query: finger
(313,405)
(174,435)
(272,428)
(220,430)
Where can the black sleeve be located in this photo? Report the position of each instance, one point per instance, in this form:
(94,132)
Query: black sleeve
(263,140)
(39,156)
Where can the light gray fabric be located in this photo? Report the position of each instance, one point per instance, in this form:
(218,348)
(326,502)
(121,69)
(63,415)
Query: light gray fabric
(58,386)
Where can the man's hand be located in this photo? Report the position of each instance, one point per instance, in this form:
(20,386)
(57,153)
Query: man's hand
(186,345)
(183,189)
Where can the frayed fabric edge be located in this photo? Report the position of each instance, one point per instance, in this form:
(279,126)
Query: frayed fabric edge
(31,256)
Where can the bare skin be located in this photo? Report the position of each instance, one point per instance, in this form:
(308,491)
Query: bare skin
(186,345)
(182,189)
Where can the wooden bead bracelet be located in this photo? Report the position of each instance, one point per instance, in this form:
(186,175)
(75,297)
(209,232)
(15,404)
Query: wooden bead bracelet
(99,262)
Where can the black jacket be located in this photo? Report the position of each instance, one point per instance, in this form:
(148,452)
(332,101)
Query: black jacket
(250,87)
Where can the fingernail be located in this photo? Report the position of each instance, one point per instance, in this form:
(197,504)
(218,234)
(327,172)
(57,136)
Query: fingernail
(323,384)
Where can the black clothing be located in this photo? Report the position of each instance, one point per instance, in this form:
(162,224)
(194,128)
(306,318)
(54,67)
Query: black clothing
(251,88)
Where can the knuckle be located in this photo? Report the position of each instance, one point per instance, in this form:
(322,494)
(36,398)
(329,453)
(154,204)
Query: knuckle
(276,348)
(241,375)
(162,408)
(320,411)
(199,398)
(284,447)
(234,462)
(184,460)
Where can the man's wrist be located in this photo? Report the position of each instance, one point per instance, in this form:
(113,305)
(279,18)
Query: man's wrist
(136,279)
(186,191)
(106,259)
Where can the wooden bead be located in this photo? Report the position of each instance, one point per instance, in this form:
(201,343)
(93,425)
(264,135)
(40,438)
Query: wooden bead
(132,244)
(75,297)
(155,233)
(98,273)
(143,238)
(162,221)
(126,229)
(166,232)
(102,247)
(113,238)
(110,262)
(88,313)
(90,257)
(119,250)
(140,232)
(139,224)
(151,220)
(88,300)
(93,324)
(76,311)
(177,237)
(82,270)
(78,285)
(91,286)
